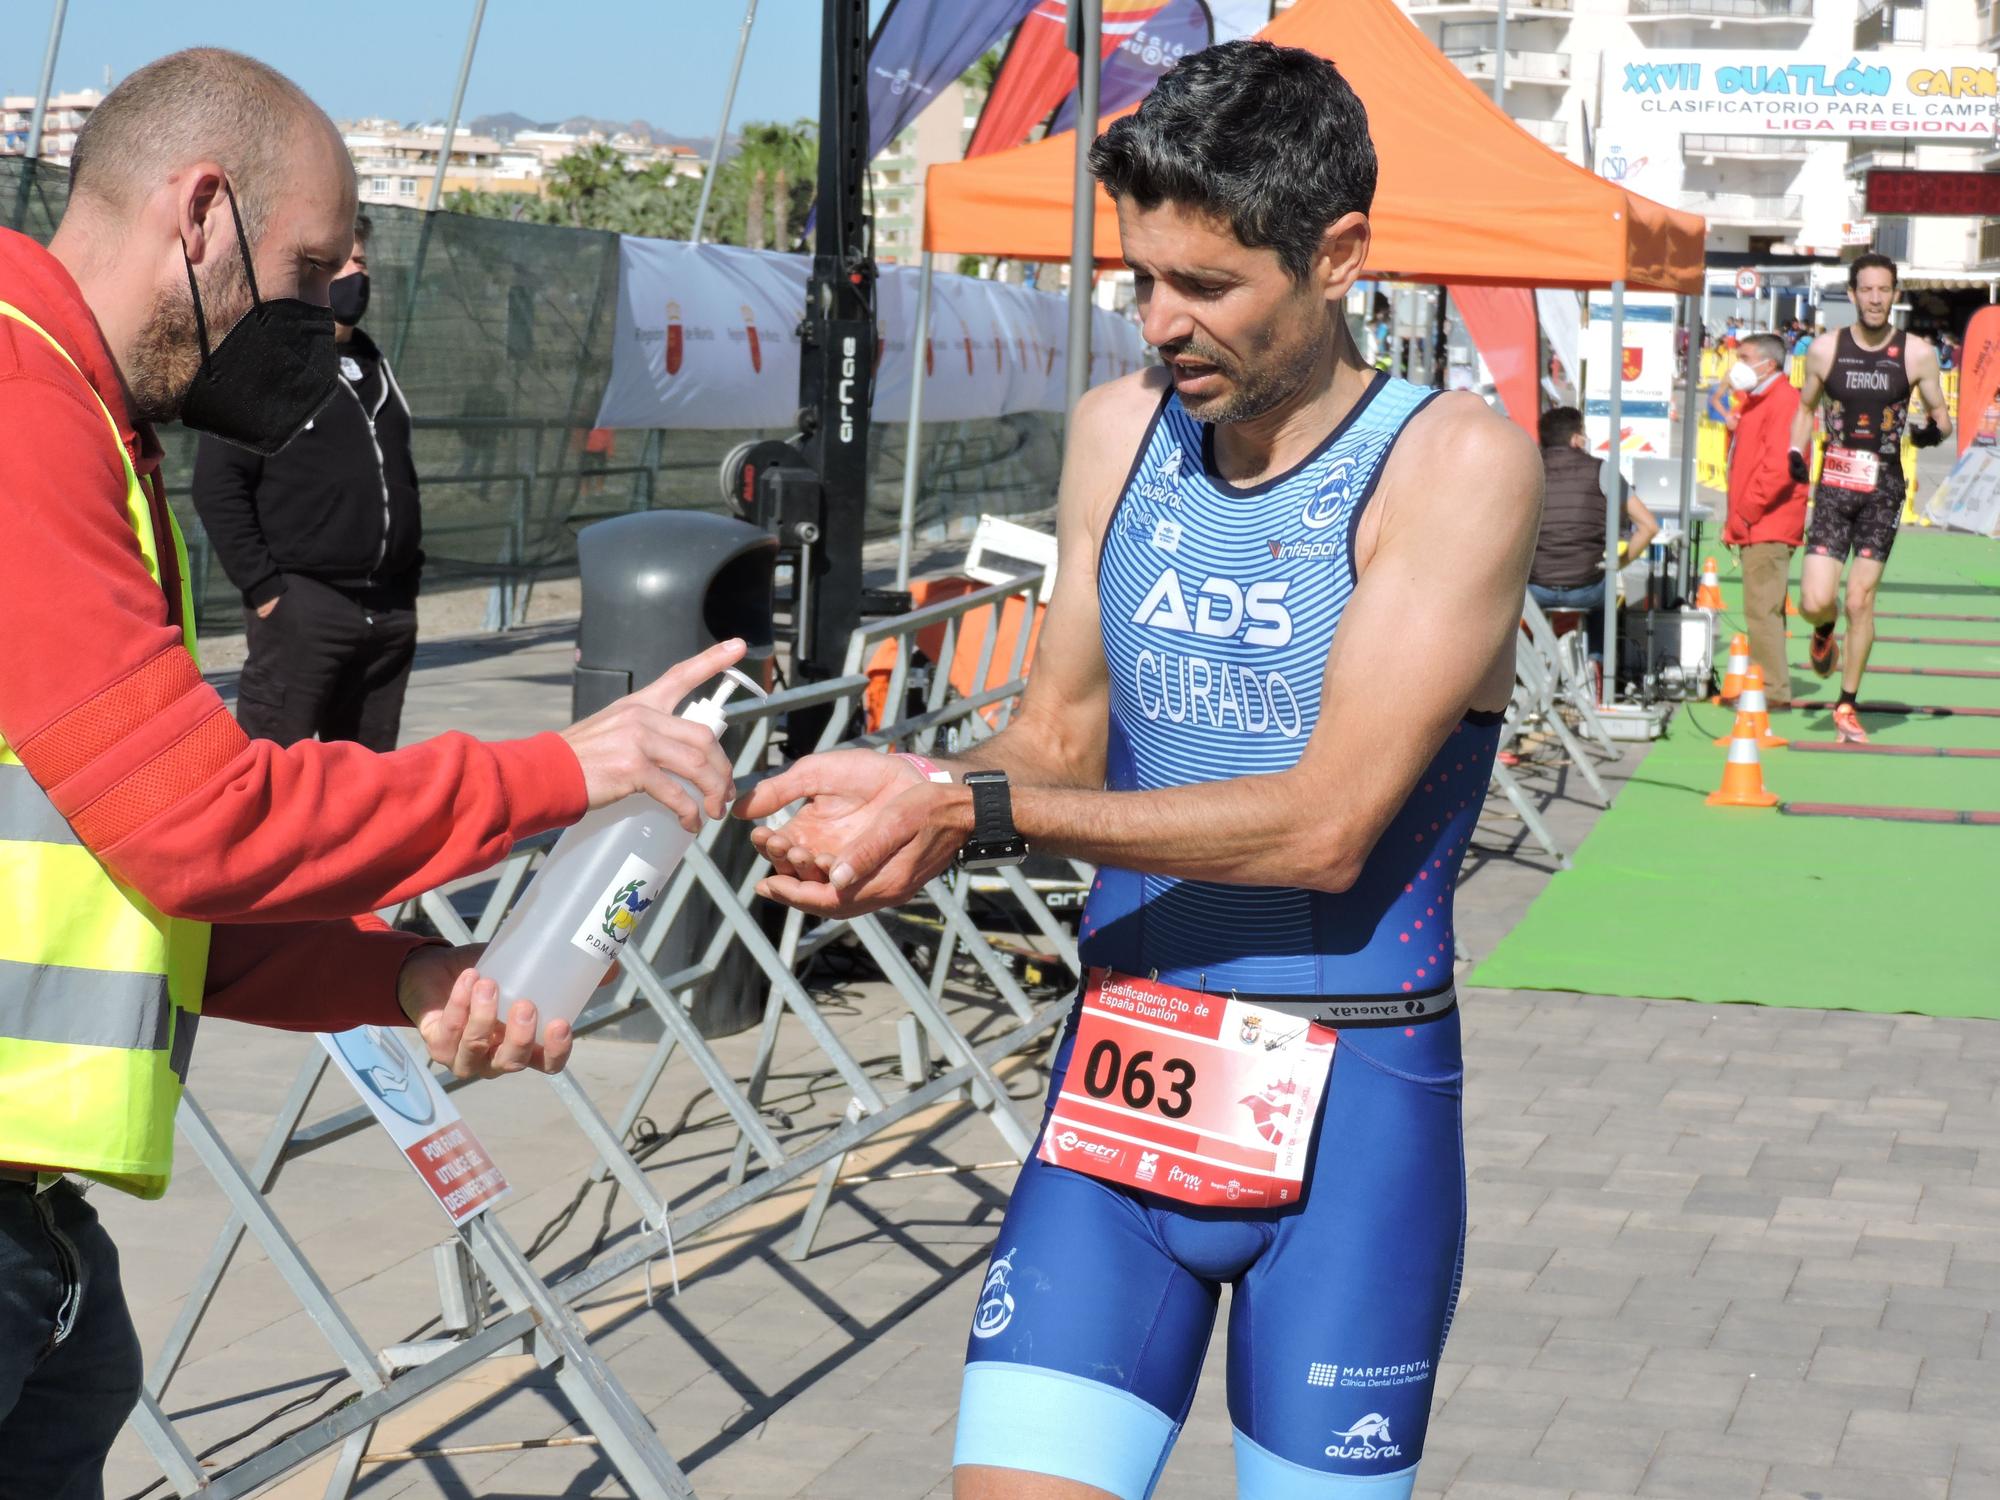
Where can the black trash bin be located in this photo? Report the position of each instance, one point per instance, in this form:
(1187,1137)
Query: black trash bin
(658,587)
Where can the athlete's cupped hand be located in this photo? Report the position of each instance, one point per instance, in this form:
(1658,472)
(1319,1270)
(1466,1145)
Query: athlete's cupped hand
(869,832)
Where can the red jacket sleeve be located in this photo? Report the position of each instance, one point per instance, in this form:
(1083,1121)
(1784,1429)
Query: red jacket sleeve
(109,714)
(309,976)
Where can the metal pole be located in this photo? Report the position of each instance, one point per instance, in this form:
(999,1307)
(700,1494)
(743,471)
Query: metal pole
(1500,56)
(1614,500)
(48,80)
(913,435)
(722,128)
(457,103)
(1690,394)
(1087,41)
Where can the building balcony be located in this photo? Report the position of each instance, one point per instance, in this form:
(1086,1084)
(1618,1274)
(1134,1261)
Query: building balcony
(1703,149)
(1989,26)
(1786,210)
(1750,12)
(1549,132)
(1884,23)
(1517,10)
(1989,243)
(1537,69)
(1861,163)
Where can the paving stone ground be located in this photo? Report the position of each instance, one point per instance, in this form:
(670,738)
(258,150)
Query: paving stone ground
(1714,1251)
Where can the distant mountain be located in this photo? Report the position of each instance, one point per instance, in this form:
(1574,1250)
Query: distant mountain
(506,126)
(502,126)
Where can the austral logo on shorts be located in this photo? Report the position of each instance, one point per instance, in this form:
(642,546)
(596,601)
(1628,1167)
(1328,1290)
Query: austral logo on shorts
(1366,1440)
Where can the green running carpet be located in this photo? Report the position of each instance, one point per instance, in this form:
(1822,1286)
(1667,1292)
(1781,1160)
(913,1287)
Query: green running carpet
(1670,898)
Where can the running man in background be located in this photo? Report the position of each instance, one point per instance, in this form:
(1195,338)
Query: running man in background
(1265,705)
(1865,375)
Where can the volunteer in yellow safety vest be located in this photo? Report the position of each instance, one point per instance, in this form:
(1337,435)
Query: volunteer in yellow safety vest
(155,864)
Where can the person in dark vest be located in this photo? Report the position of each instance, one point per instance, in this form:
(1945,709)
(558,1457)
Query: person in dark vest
(1864,375)
(1568,572)
(323,542)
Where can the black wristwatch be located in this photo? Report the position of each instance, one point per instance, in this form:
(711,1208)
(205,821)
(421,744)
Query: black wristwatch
(994,843)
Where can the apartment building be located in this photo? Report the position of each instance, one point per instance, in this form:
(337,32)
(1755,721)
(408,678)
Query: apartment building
(395,163)
(66,114)
(937,135)
(1762,190)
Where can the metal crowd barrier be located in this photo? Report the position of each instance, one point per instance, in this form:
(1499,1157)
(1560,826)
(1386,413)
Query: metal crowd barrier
(537,1319)
(482,1257)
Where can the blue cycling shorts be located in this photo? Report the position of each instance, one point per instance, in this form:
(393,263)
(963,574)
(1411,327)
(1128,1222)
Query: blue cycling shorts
(1097,1306)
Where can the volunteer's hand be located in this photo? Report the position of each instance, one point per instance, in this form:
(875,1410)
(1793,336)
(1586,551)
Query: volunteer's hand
(457,1014)
(633,745)
(873,831)
(1801,469)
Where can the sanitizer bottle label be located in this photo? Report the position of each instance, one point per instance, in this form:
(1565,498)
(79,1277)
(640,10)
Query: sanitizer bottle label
(611,920)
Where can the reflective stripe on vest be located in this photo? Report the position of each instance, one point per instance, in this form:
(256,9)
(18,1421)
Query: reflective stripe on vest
(100,992)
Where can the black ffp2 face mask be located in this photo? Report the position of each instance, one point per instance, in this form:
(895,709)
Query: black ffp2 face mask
(349,296)
(270,375)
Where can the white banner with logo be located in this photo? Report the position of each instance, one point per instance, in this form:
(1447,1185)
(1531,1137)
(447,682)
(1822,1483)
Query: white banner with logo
(1653,99)
(1644,365)
(1969,500)
(707,336)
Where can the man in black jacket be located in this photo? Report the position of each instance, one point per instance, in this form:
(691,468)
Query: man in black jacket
(322,540)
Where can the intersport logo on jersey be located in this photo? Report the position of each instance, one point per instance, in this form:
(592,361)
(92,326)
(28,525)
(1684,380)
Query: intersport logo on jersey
(1303,551)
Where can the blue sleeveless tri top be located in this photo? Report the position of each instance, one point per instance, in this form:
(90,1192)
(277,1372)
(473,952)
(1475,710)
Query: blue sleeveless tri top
(1219,606)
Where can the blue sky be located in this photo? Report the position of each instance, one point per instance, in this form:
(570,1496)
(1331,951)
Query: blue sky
(666,61)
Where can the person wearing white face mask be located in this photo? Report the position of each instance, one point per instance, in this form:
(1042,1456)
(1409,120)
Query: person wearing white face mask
(1767,507)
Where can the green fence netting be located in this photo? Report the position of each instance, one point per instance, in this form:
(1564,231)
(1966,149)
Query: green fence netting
(504,332)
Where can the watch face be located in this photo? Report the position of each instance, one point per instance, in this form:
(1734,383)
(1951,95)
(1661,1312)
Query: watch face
(992,856)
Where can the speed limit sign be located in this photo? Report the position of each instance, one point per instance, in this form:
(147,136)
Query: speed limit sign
(1747,283)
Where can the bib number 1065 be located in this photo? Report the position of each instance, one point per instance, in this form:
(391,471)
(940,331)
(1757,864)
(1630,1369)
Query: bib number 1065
(1108,1071)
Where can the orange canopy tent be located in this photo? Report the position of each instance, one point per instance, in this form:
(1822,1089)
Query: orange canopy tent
(1465,194)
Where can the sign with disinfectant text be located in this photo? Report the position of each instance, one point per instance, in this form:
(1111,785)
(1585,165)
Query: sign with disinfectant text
(399,1090)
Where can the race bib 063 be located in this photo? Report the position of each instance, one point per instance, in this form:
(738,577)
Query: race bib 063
(1191,1096)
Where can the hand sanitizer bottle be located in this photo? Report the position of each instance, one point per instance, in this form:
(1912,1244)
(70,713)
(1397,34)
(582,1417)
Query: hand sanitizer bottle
(603,875)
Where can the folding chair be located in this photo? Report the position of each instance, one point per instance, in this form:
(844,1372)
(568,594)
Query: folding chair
(1568,660)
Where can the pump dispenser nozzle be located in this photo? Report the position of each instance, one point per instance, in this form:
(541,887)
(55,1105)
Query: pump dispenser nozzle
(709,711)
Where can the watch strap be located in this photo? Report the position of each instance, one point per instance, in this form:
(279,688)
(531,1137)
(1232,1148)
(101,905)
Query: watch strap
(992,808)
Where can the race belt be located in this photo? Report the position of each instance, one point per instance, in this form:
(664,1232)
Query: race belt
(1200,1098)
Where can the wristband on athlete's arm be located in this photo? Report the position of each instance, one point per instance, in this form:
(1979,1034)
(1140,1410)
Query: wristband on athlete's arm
(1801,470)
(1927,436)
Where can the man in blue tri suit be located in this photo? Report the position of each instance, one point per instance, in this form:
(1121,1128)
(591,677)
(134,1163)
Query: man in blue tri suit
(1265,705)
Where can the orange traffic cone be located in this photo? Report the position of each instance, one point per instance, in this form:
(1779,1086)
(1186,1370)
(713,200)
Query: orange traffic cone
(1743,778)
(1750,704)
(1739,663)
(1709,597)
